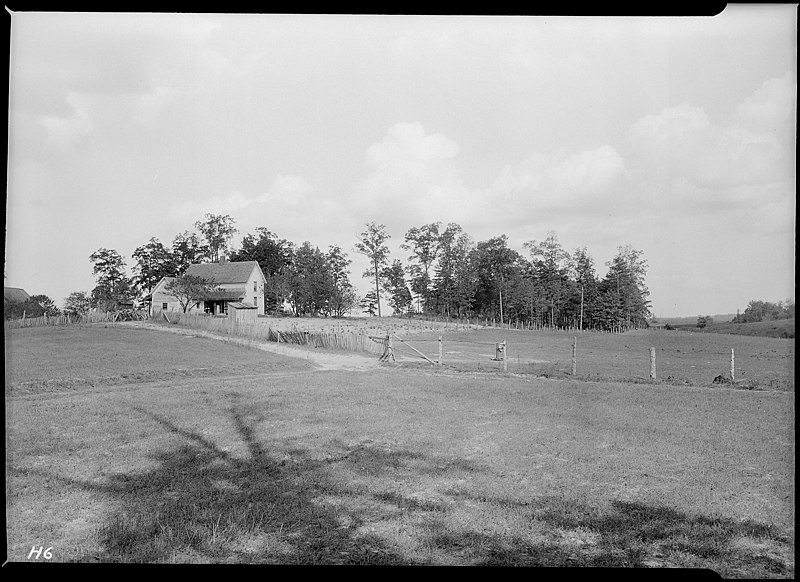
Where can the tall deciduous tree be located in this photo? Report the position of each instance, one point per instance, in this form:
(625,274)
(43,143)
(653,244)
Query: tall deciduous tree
(582,265)
(48,306)
(187,249)
(274,256)
(550,264)
(394,283)
(154,261)
(218,230)
(496,264)
(423,242)
(372,244)
(77,303)
(112,282)
(455,281)
(343,296)
(625,302)
(310,281)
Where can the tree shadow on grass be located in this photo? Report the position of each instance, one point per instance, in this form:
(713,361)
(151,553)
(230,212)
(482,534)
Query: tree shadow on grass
(624,534)
(203,504)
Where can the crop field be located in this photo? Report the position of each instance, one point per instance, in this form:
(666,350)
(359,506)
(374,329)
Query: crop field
(127,444)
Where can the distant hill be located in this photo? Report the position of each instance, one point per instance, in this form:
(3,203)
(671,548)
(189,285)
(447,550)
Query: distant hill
(692,320)
(782,328)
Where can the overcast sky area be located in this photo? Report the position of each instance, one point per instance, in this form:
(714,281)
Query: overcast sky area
(674,135)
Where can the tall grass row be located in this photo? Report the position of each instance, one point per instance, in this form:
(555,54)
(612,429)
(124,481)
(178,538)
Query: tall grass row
(260,332)
(63,319)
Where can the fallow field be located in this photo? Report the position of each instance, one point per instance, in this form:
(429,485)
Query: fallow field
(127,444)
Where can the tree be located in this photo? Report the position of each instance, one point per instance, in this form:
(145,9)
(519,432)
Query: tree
(35,306)
(218,230)
(310,281)
(495,264)
(112,282)
(550,265)
(372,245)
(274,256)
(154,261)
(189,289)
(394,283)
(582,264)
(77,303)
(455,281)
(369,304)
(343,297)
(187,249)
(424,243)
(625,303)
(48,306)
(766,311)
(704,321)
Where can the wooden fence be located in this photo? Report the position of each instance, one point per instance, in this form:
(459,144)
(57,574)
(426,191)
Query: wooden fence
(63,319)
(341,340)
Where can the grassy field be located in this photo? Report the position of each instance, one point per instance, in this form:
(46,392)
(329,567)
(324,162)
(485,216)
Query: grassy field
(781,328)
(681,357)
(248,456)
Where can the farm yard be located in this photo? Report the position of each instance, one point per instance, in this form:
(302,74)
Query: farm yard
(129,444)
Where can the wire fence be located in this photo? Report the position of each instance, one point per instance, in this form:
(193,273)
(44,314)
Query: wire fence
(547,353)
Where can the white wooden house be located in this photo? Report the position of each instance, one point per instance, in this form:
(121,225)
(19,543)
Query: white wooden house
(234,282)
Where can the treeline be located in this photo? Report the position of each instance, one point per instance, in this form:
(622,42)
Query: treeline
(312,282)
(765,311)
(446,273)
(449,274)
(35,306)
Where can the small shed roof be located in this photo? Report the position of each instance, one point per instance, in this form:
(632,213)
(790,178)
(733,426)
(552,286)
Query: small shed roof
(241,305)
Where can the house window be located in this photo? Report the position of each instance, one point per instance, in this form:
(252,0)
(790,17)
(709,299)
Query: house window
(255,286)
(164,306)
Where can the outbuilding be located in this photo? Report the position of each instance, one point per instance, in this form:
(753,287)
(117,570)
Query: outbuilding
(243,312)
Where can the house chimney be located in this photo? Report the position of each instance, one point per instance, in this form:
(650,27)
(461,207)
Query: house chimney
(223,259)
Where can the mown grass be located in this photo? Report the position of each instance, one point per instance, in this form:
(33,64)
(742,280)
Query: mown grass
(406,467)
(681,357)
(53,359)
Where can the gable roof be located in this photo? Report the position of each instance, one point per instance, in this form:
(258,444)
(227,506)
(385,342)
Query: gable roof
(223,273)
(15,295)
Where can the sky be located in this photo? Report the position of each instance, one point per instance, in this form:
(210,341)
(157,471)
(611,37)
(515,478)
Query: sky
(675,135)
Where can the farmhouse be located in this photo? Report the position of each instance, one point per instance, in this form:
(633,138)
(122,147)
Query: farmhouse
(234,282)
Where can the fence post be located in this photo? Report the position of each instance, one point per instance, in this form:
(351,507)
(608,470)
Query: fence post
(733,372)
(505,356)
(652,363)
(574,356)
(440,350)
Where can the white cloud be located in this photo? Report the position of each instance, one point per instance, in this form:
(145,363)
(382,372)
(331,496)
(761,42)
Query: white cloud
(407,146)
(771,106)
(559,179)
(681,142)
(414,178)
(148,107)
(64,133)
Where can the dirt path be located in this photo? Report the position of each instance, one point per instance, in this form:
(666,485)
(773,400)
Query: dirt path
(323,360)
